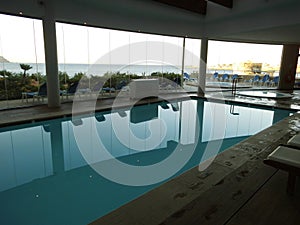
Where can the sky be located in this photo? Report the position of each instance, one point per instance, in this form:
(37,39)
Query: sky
(21,41)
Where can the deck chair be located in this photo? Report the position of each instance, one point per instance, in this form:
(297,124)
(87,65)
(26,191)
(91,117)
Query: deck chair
(121,84)
(234,76)
(71,90)
(287,159)
(225,77)
(215,76)
(265,80)
(274,82)
(255,80)
(294,142)
(186,76)
(40,94)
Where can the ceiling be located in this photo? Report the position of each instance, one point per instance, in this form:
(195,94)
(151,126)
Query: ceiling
(259,21)
(197,6)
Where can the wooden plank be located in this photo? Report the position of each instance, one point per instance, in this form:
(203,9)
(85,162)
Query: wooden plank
(271,205)
(160,203)
(225,3)
(222,201)
(198,6)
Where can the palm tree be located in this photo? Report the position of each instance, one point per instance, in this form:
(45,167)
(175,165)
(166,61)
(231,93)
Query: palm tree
(25,67)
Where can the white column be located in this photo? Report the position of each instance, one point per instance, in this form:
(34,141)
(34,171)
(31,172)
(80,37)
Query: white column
(203,66)
(51,55)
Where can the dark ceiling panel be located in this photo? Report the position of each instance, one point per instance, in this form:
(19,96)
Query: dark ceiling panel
(226,3)
(198,6)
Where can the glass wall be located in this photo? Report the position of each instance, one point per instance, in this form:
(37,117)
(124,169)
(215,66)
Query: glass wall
(105,61)
(22,61)
(257,64)
(191,64)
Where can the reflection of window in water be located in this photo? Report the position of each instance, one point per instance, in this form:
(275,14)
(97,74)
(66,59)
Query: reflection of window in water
(25,156)
(239,121)
(113,131)
(27,152)
(188,122)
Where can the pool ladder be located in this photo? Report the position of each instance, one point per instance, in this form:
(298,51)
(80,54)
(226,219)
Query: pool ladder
(232,111)
(233,86)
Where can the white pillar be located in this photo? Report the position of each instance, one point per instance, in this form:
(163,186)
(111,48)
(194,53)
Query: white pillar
(51,55)
(203,66)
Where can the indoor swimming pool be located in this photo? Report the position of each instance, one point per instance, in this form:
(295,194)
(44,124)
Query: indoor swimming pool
(65,171)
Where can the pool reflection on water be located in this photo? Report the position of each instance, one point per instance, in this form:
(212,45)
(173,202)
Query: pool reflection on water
(46,180)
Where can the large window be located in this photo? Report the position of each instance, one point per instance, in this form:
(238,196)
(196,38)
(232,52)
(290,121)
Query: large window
(22,60)
(247,60)
(110,59)
(191,64)
(104,61)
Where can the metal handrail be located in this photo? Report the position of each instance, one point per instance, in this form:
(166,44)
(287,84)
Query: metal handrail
(233,87)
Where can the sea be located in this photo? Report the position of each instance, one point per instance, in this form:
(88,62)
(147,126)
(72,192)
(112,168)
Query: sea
(95,69)
(101,69)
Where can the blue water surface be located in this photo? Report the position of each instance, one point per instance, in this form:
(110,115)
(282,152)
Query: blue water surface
(45,178)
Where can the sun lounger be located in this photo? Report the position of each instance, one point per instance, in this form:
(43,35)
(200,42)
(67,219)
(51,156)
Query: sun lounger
(294,142)
(274,82)
(40,94)
(225,77)
(265,80)
(71,90)
(287,159)
(255,80)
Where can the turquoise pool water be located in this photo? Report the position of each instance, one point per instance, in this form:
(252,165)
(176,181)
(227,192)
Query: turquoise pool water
(46,178)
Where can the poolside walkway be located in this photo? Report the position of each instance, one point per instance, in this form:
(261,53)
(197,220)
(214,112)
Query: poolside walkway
(39,112)
(42,112)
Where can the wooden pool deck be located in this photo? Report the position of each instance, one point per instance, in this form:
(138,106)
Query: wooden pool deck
(236,188)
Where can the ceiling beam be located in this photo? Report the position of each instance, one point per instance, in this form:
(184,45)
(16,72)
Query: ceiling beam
(198,6)
(225,3)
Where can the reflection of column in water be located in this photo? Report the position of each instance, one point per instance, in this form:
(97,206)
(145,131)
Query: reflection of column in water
(200,108)
(57,146)
(188,122)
